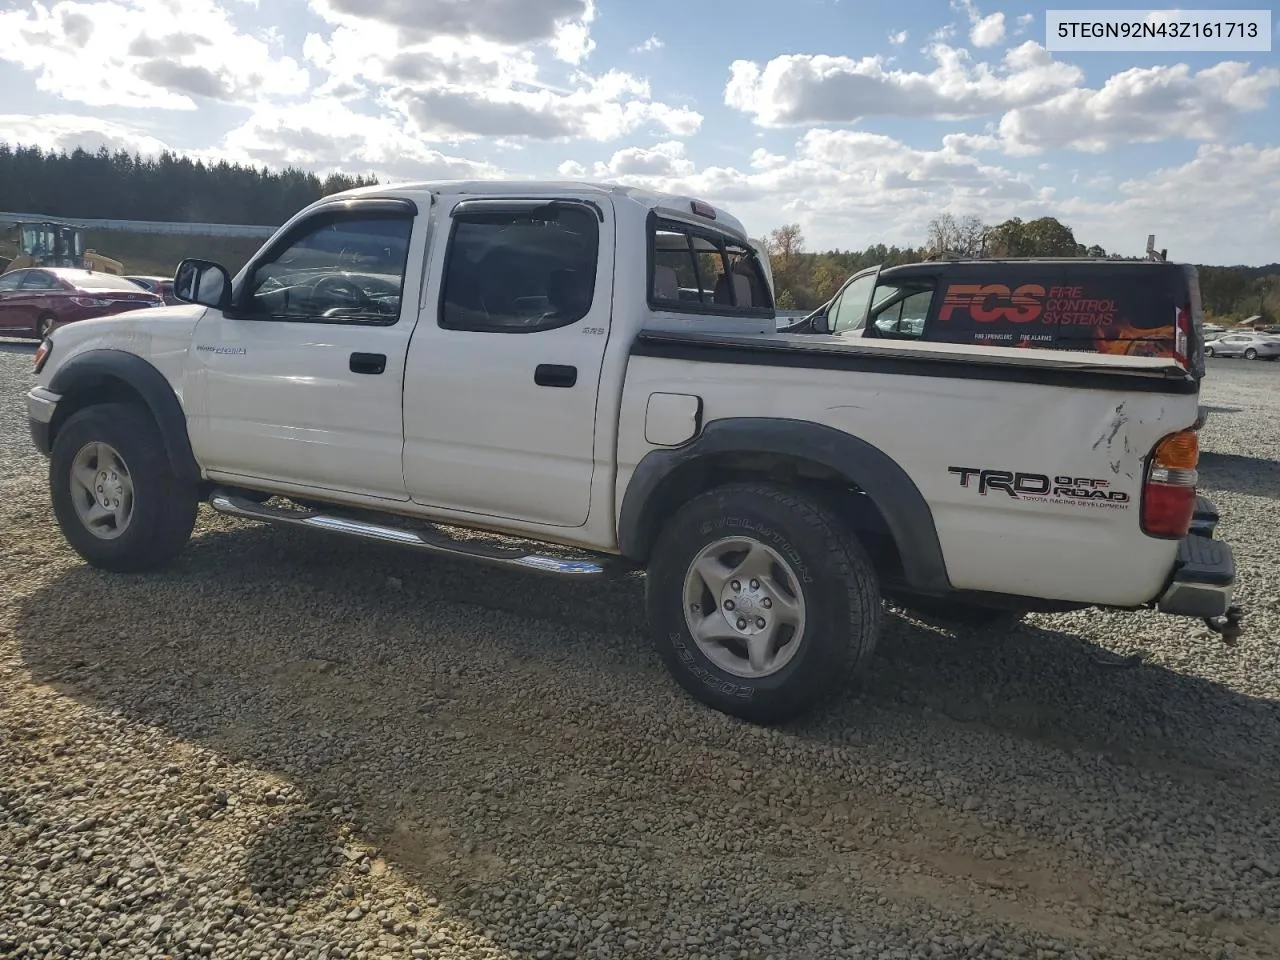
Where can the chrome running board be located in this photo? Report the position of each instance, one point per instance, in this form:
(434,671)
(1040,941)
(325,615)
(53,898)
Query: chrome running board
(429,541)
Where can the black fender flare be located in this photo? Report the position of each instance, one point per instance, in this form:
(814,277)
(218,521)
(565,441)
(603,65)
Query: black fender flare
(905,510)
(95,368)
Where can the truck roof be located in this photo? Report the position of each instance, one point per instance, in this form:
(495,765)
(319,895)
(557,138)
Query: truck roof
(677,204)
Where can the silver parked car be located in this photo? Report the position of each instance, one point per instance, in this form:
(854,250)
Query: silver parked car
(1251,346)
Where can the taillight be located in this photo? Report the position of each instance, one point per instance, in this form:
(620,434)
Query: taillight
(42,354)
(90,302)
(1182,337)
(1169,493)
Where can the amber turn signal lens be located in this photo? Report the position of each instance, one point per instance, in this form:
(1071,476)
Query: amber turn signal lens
(42,354)
(1179,451)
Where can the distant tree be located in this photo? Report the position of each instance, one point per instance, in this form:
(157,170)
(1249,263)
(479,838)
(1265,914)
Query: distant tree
(1043,237)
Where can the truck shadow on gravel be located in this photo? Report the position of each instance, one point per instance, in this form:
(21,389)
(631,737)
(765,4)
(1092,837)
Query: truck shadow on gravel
(432,708)
(1253,476)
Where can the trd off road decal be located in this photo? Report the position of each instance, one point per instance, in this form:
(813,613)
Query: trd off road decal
(1042,488)
(1115,316)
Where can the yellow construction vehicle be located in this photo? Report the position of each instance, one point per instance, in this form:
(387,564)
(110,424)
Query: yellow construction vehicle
(51,243)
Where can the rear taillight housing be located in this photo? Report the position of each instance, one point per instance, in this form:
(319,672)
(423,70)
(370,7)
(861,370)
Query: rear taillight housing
(1182,337)
(90,302)
(42,354)
(1169,489)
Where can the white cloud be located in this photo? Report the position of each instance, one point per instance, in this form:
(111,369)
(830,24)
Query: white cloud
(451,89)
(58,132)
(329,136)
(599,108)
(512,22)
(813,88)
(1024,21)
(653,43)
(847,188)
(665,159)
(899,38)
(1223,206)
(984,31)
(154,54)
(1142,105)
(987,32)
(572,42)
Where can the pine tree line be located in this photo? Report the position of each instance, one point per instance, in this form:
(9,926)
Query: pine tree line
(123,186)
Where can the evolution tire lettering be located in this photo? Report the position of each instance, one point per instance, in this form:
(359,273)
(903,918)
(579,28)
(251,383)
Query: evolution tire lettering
(1040,487)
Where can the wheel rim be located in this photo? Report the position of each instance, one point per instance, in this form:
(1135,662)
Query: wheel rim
(744,607)
(1250,354)
(42,327)
(102,490)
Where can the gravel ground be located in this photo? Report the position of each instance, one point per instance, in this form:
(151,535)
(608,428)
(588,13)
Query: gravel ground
(291,747)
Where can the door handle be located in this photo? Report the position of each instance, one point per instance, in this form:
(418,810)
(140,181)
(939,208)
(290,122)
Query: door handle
(555,375)
(368,362)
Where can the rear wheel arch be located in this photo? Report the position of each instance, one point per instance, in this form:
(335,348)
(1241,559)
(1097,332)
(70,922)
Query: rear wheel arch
(815,455)
(114,376)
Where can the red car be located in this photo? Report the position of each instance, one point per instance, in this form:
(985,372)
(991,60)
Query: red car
(159,285)
(37,300)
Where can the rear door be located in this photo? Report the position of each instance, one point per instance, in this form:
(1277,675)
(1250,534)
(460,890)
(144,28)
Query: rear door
(504,372)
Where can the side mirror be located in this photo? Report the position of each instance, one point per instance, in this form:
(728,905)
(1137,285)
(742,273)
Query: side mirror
(202,282)
(819,319)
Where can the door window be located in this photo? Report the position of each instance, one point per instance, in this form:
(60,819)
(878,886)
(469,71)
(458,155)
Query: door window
(334,270)
(39,280)
(849,312)
(10,281)
(520,270)
(904,315)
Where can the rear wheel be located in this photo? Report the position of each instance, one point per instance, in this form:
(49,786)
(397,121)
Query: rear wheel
(43,326)
(117,498)
(762,603)
(1208,351)
(1251,354)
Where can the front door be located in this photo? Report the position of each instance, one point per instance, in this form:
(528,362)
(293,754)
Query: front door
(300,381)
(504,370)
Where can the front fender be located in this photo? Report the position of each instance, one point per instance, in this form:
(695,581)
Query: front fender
(104,372)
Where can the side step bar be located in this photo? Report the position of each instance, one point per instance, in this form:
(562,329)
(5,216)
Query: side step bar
(439,543)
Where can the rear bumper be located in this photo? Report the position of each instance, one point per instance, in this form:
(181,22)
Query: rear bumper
(1204,573)
(41,406)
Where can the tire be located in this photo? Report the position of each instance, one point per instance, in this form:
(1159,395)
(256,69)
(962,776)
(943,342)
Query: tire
(161,512)
(1208,351)
(43,326)
(1251,354)
(825,638)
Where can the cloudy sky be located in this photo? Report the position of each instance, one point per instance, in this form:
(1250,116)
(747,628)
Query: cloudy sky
(860,120)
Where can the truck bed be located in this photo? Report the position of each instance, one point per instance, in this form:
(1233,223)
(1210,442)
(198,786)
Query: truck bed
(1008,364)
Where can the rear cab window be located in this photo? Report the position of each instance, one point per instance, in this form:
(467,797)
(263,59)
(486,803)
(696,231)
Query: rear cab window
(699,270)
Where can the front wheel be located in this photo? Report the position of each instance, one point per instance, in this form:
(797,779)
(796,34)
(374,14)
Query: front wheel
(761,601)
(117,498)
(1208,351)
(1251,354)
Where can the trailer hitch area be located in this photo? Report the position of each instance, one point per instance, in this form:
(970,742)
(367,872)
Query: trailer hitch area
(1227,627)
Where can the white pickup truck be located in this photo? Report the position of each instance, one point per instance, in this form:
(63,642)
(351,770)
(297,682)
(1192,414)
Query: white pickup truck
(593,373)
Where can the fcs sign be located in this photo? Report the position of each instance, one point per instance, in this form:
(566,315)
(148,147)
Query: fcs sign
(991,302)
